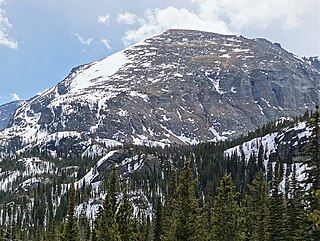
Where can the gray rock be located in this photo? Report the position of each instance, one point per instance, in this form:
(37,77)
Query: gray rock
(181,87)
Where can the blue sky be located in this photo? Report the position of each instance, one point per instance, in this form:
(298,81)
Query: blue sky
(42,40)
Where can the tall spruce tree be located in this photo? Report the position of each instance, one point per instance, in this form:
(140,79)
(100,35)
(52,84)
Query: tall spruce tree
(185,224)
(257,208)
(84,227)
(312,160)
(295,208)
(277,223)
(71,229)
(158,227)
(106,225)
(312,172)
(314,216)
(125,219)
(228,224)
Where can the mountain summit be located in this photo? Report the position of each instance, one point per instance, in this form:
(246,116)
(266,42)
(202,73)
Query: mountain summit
(180,87)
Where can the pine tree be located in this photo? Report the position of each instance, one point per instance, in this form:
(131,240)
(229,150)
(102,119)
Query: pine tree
(84,227)
(277,223)
(71,229)
(261,154)
(312,172)
(206,214)
(312,161)
(106,226)
(184,219)
(125,219)
(257,207)
(228,225)
(314,216)
(158,228)
(295,207)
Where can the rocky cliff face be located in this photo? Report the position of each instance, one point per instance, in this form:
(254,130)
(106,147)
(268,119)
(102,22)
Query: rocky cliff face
(7,112)
(180,87)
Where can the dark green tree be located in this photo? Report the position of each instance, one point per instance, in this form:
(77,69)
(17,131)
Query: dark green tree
(257,208)
(228,224)
(261,155)
(314,216)
(71,229)
(185,216)
(295,207)
(312,172)
(84,227)
(106,226)
(277,223)
(158,228)
(125,219)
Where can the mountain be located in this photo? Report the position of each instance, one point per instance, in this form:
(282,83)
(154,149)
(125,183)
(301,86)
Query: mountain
(138,110)
(180,87)
(7,112)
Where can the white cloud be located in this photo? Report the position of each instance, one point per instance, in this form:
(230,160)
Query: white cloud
(82,40)
(14,97)
(224,16)
(252,13)
(4,26)
(159,20)
(106,42)
(104,19)
(127,18)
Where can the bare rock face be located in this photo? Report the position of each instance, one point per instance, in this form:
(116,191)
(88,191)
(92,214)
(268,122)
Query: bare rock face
(7,112)
(181,87)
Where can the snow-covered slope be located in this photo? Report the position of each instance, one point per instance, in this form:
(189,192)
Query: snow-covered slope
(284,146)
(181,87)
(7,112)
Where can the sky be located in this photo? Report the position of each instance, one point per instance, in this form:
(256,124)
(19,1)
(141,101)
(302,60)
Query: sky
(42,40)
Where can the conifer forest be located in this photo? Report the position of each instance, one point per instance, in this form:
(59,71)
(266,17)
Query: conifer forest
(200,195)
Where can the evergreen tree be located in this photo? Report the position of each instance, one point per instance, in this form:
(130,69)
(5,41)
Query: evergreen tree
(106,226)
(125,219)
(312,172)
(312,160)
(71,229)
(295,207)
(84,227)
(228,225)
(158,228)
(277,223)
(207,210)
(185,219)
(314,216)
(257,207)
(261,154)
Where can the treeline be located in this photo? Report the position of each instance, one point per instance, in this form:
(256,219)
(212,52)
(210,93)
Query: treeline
(210,197)
(183,216)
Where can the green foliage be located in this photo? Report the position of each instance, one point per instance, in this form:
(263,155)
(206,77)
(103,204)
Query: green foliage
(277,223)
(106,225)
(296,213)
(158,219)
(184,219)
(257,209)
(228,225)
(314,216)
(312,160)
(125,219)
(71,229)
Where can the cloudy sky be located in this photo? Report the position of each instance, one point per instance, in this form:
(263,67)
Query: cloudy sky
(42,40)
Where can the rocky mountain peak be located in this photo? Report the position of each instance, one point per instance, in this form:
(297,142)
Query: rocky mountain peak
(180,87)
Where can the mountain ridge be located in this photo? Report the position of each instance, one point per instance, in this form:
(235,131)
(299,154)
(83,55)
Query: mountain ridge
(180,87)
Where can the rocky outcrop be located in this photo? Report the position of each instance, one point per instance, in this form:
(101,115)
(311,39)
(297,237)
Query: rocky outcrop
(7,112)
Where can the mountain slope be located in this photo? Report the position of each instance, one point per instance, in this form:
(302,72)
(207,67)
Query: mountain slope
(180,87)
(7,112)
